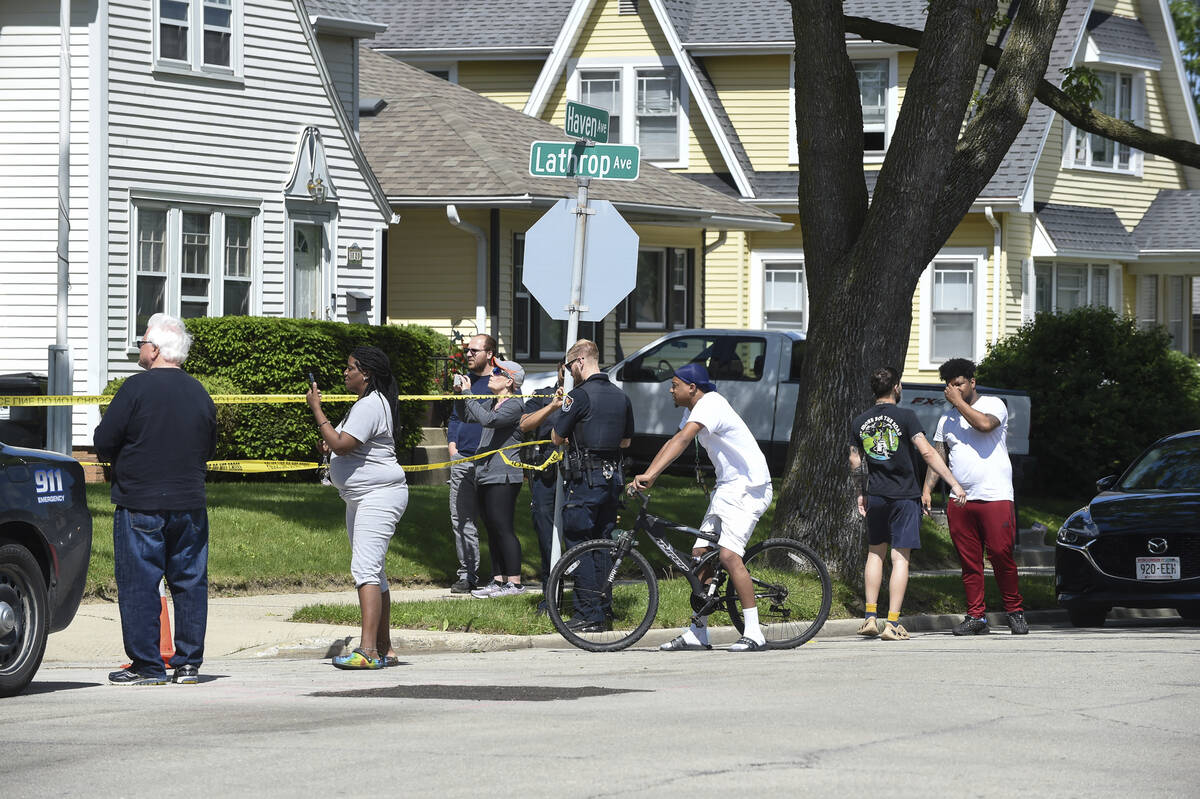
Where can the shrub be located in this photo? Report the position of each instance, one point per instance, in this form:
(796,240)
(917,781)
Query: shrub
(273,356)
(230,418)
(1101,391)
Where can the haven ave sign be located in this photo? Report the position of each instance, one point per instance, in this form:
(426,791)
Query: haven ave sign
(586,122)
(563,159)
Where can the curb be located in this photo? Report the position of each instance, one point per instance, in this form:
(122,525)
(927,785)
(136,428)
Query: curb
(419,642)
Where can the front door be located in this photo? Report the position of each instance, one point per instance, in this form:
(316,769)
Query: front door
(308,291)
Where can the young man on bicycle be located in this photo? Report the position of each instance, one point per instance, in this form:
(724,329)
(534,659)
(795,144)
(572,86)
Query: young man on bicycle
(742,494)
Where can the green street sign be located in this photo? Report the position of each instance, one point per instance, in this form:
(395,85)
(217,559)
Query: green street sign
(586,122)
(563,159)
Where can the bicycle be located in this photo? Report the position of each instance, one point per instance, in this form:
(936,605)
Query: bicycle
(792,588)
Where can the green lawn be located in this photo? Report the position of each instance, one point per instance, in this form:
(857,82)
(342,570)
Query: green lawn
(273,537)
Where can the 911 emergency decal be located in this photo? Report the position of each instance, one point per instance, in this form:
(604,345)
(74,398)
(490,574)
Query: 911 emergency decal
(48,484)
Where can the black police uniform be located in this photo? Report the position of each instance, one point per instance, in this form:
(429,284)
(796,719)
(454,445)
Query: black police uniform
(595,417)
(542,485)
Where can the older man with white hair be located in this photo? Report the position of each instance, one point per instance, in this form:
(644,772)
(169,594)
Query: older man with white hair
(158,434)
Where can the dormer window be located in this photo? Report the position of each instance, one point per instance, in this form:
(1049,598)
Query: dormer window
(197,36)
(1123,97)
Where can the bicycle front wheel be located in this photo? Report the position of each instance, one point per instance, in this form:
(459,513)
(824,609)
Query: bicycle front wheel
(600,600)
(792,591)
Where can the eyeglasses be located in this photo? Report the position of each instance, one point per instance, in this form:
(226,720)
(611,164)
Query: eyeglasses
(143,341)
(473,351)
(500,371)
(567,364)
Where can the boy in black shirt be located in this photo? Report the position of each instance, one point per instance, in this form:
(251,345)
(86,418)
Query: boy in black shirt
(891,496)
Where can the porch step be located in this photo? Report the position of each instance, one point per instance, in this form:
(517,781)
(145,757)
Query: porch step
(432,449)
(1035,556)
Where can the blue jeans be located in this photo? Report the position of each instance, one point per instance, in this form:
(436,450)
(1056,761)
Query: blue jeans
(146,546)
(590,511)
(541,506)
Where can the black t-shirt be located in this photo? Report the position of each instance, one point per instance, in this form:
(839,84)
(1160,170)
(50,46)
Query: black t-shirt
(596,415)
(885,435)
(158,434)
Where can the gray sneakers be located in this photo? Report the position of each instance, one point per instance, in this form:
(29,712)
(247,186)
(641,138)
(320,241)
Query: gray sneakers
(495,589)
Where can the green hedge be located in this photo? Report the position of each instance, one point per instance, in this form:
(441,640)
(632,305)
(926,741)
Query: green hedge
(261,355)
(1101,389)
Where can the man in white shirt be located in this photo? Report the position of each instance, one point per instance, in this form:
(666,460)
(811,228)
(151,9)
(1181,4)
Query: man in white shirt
(742,494)
(975,433)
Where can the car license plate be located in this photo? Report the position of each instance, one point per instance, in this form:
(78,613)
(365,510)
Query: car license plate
(1158,568)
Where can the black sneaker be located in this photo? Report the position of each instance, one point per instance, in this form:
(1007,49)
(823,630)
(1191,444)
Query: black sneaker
(131,677)
(463,586)
(972,626)
(186,675)
(1017,624)
(586,626)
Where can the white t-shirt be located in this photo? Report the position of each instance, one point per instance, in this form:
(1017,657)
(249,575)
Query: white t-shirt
(979,461)
(730,444)
(372,464)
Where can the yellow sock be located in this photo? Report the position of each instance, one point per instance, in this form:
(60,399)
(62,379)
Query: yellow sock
(894,617)
(872,609)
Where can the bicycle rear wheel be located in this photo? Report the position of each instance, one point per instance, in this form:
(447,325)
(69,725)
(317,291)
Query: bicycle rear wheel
(617,594)
(792,590)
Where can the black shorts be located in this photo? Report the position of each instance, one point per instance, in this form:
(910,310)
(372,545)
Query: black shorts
(894,521)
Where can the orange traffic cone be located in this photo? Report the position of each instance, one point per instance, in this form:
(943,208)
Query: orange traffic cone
(166,641)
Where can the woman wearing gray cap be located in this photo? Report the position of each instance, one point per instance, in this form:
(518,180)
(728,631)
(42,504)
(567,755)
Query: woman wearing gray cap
(498,482)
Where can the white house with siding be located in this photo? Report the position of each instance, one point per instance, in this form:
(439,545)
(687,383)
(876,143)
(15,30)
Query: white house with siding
(215,170)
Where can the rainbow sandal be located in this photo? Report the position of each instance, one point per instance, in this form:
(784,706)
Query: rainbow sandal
(357,660)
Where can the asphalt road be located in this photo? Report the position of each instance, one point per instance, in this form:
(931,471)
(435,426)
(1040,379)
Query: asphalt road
(1112,712)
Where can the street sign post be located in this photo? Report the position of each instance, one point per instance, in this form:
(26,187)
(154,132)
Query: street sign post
(564,159)
(586,122)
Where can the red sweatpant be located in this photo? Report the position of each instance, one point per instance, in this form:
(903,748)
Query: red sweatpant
(973,527)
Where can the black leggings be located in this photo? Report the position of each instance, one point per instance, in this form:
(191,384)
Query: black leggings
(498,503)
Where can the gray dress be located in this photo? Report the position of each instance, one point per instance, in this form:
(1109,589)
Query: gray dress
(500,429)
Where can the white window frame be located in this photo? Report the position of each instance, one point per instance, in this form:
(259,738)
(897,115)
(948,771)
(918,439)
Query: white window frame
(857,53)
(629,69)
(194,63)
(328,225)
(1113,271)
(1138,114)
(173,254)
(758,283)
(925,329)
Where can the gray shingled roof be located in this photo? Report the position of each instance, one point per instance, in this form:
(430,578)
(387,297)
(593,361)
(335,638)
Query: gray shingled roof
(1081,229)
(436,142)
(338,9)
(468,24)
(758,21)
(1121,36)
(1171,223)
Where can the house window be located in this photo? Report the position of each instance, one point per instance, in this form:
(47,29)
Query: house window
(1147,301)
(652,96)
(873,92)
(785,296)
(1121,97)
(537,337)
(1060,288)
(660,298)
(182,267)
(198,35)
(658,113)
(1175,307)
(602,89)
(953,310)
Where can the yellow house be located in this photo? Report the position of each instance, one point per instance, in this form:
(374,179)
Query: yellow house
(704,88)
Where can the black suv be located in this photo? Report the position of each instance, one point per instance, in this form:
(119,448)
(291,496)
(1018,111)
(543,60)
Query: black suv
(45,545)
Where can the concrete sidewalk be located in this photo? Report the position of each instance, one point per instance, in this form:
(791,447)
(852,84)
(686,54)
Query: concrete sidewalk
(259,627)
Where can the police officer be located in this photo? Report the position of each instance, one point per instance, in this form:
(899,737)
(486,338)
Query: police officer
(538,422)
(596,420)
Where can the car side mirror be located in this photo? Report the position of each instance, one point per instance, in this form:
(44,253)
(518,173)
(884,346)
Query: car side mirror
(1105,483)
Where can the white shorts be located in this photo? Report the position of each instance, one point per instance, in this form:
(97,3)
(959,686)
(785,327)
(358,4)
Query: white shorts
(733,512)
(370,523)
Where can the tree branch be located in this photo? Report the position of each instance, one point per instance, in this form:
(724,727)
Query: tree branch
(1078,114)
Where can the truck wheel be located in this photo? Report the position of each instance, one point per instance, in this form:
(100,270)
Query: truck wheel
(24,618)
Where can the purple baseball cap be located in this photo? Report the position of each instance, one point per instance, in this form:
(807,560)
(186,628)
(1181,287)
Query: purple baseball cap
(697,374)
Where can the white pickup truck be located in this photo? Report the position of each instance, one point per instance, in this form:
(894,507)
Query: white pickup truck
(758,371)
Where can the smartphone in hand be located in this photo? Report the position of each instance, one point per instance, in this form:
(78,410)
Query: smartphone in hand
(311,380)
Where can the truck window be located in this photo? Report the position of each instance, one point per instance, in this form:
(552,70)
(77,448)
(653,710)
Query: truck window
(740,358)
(797,362)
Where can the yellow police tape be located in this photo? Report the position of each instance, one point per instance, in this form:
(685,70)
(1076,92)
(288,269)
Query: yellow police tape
(263,466)
(224,399)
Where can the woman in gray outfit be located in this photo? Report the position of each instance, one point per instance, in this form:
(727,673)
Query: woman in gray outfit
(498,483)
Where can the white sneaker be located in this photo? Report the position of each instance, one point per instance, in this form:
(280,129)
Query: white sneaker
(487,591)
(510,589)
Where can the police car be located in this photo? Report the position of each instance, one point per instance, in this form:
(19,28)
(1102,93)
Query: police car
(45,545)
